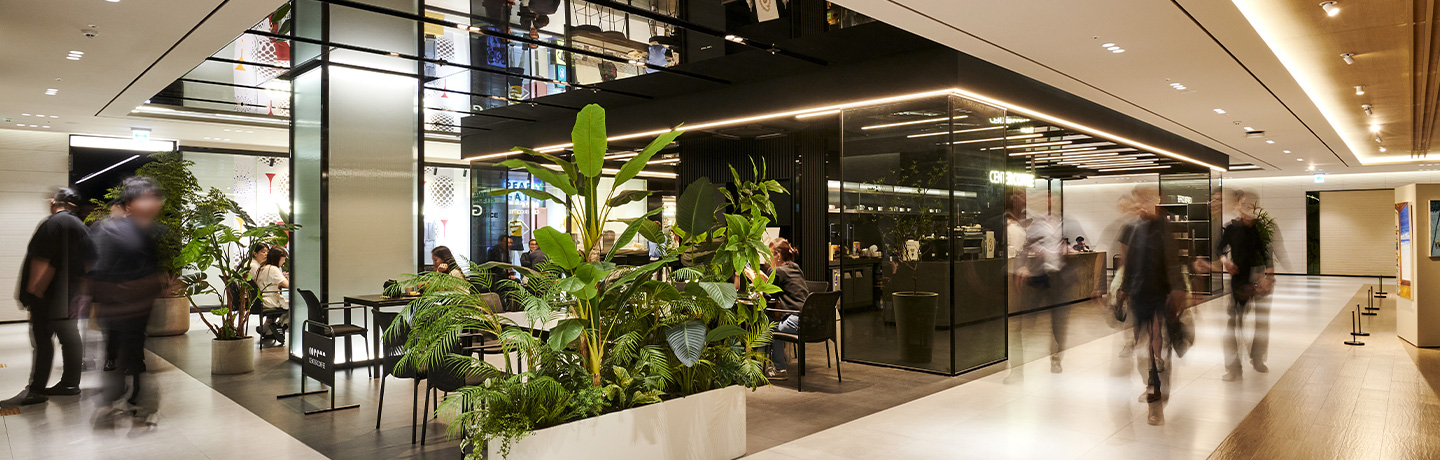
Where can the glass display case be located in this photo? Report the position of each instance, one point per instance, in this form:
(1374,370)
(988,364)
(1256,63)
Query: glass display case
(917,234)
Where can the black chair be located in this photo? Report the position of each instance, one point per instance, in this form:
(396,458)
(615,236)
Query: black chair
(817,286)
(817,324)
(440,382)
(321,313)
(257,308)
(392,349)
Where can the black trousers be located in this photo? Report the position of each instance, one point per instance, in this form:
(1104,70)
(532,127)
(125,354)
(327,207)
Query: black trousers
(42,333)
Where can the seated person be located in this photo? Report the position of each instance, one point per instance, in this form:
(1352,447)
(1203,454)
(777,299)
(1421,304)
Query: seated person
(258,253)
(534,256)
(271,279)
(787,275)
(444,262)
(1080,245)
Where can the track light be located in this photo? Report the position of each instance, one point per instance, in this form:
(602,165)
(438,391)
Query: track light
(1359,90)
(1374,128)
(1382,149)
(1348,57)
(1367,109)
(1377,139)
(1330,8)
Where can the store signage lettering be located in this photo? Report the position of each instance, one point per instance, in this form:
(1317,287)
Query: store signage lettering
(1007,120)
(1012,178)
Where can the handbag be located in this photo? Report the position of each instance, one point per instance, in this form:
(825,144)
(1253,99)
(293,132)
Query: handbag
(1115,302)
(1181,331)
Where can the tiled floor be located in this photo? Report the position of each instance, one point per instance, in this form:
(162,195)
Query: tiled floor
(196,422)
(1091,410)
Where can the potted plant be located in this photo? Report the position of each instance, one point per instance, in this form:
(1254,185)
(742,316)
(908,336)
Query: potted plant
(171,315)
(906,221)
(212,242)
(631,365)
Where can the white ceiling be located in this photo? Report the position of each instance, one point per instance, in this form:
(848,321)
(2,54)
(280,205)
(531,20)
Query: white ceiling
(1206,45)
(143,45)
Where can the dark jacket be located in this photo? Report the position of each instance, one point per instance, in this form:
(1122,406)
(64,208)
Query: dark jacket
(791,281)
(1152,263)
(127,275)
(1246,251)
(531,258)
(63,240)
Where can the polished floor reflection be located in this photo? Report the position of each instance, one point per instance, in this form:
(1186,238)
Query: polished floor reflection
(196,422)
(1091,410)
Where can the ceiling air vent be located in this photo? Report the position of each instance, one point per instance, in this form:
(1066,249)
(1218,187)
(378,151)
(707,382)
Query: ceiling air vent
(1254,134)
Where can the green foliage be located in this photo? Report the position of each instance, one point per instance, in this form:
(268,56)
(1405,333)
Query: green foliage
(619,336)
(904,216)
(211,242)
(1265,224)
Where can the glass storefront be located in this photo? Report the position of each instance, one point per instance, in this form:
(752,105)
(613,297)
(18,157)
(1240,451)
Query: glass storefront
(920,255)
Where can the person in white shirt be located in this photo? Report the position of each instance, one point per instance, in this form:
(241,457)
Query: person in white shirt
(271,280)
(258,253)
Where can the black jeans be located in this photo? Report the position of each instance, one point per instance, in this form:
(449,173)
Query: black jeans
(126,336)
(42,331)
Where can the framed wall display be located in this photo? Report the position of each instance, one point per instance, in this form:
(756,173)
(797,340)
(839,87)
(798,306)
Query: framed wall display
(1402,229)
(1434,228)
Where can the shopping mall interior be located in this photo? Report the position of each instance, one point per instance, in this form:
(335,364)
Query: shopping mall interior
(548,229)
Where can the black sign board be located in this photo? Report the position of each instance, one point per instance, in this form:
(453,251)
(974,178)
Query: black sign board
(319,357)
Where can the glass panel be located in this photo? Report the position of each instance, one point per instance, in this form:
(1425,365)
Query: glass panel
(308,241)
(1186,203)
(447,212)
(978,323)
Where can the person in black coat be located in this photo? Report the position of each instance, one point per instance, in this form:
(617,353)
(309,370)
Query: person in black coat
(51,284)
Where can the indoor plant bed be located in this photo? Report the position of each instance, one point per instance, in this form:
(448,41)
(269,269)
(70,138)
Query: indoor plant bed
(634,366)
(704,426)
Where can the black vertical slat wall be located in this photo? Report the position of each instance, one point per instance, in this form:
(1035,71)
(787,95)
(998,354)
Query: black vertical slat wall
(796,159)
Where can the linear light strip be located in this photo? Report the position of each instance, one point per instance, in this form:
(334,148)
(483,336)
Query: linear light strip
(942,133)
(103,171)
(913,122)
(1037,144)
(1134,169)
(1046,152)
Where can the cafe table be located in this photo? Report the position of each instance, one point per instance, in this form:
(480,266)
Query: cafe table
(375,302)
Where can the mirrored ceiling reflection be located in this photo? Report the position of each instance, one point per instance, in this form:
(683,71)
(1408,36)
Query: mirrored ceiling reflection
(1046,149)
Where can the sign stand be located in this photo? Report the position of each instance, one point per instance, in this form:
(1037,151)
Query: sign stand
(1381,293)
(318,364)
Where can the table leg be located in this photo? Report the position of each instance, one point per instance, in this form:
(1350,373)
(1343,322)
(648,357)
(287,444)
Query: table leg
(349,357)
(375,342)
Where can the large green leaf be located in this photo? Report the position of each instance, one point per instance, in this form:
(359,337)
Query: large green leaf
(589,140)
(547,175)
(651,231)
(632,227)
(724,294)
(687,340)
(565,332)
(633,167)
(559,247)
(628,196)
(695,210)
(724,332)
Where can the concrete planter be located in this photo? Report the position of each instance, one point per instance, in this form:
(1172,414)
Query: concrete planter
(232,356)
(705,426)
(171,316)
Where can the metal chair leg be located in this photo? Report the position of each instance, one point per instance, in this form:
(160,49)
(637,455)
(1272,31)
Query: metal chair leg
(380,407)
(800,376)
(414,410)
(838,377)
(425,416)
(827,353)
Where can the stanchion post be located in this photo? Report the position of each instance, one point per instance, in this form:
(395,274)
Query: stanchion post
(1354,341)
(1359,329)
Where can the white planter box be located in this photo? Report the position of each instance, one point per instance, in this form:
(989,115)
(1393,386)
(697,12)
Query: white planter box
(705,426)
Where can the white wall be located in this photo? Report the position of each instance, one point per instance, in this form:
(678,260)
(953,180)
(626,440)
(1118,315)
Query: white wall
(1090,207)
(1357,232)
(32,164)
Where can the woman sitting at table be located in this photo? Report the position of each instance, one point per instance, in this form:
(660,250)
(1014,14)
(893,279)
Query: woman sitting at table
(444,262)
(271,279)
(786,274)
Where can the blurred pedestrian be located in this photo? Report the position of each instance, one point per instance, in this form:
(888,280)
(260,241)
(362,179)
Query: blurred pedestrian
(1154,288)
(1247,259)
(126,280)
(51,286)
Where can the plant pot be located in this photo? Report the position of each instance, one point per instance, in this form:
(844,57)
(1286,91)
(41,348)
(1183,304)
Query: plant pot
(705,426)
(915,324)
(171,316)
(232,356)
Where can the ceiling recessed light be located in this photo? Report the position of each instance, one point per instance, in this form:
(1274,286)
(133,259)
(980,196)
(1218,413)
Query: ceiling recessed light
(1112,48)
(1330,8)
(1107,45)
(72,58)
(1374,128)
(54,116)
(1118,51)
(1299,159)
(46,126)
(1268,141)
(77,52)
(1382,149)
(113,1)
(1220,111)
(25,114)
(1247,128)
(1286,151)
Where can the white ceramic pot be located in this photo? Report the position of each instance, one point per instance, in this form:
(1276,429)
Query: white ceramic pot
(705,426)
(171,316)
(232,356)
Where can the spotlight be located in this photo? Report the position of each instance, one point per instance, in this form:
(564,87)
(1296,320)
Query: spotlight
(1220,111)
(1348,57)
(1330,8)
(1382,149)
(1367,109)
(1374,128)
(1359,90)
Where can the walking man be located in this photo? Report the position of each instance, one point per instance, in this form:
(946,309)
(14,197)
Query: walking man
(50,287)
(1247,260)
